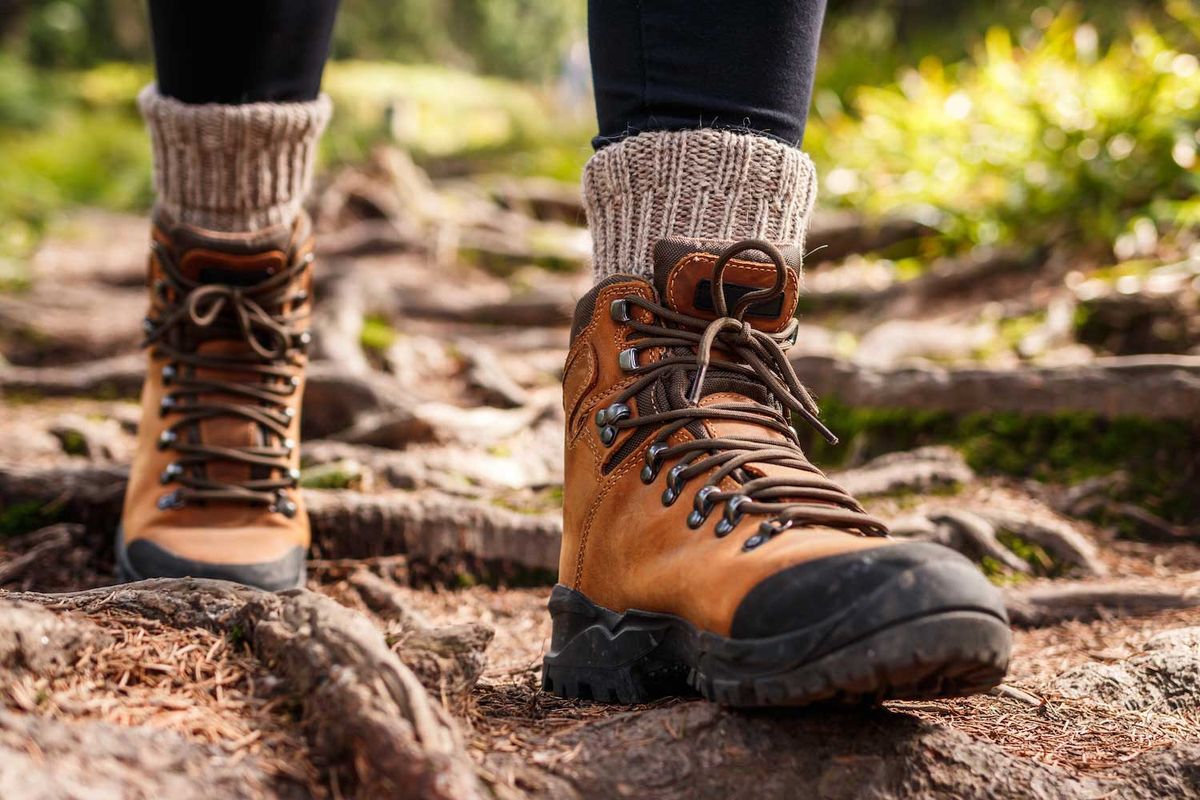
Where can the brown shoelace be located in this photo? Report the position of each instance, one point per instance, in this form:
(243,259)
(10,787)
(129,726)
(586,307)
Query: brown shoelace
(758,367)
(253,315)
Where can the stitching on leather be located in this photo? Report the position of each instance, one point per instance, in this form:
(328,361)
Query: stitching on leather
(572,407)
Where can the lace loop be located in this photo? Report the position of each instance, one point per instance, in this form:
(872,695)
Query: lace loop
(273,334)
(746,361)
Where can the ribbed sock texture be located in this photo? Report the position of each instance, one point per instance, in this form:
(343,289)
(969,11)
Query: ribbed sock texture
(232,167)
(699,184)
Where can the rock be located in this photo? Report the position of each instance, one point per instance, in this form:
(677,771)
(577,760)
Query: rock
(1163,678)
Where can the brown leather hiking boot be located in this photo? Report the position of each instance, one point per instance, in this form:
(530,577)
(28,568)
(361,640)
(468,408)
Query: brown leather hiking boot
(701,548)
(212,492)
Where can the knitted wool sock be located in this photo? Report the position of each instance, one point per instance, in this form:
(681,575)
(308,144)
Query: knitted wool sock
(232,168)
(698,184)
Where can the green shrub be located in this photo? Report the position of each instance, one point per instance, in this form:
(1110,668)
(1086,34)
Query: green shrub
(1059,137)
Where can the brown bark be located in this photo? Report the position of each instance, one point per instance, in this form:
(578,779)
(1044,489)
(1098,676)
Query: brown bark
(1051,603)
(1108,387)
(362,705)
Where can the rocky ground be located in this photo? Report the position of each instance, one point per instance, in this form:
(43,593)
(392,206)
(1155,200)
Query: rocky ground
(433,469)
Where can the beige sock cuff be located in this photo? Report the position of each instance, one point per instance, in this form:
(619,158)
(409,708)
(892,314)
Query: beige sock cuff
(699,184)
(233,167)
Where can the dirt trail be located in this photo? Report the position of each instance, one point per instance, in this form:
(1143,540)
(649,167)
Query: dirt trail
(410,665)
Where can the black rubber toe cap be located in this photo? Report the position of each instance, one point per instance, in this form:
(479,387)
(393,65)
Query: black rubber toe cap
(851,595)
(144,559)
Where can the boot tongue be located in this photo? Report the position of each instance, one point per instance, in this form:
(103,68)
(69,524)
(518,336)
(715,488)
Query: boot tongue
(232,259)
(683,271)
(236,259)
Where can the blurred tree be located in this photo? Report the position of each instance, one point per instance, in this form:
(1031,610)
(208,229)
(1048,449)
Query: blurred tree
(514,38)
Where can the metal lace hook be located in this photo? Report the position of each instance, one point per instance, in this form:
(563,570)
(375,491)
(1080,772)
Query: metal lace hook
(750,298)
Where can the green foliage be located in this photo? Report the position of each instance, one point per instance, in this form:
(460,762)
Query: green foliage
(336,475)
(448,115)
(513,38)
(26,516)
(1058,137)
(377,335)
(1161,458)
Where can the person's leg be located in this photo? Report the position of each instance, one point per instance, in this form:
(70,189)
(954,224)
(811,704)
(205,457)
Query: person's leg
(669,65)
(701,107)
(701,548)
(235,114)
(225,51)
(234,120)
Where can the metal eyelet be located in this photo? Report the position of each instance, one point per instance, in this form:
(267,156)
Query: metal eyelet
(169,501)
(604,419)
(173,471)
(166,406)
(674,484)
(284,505)
(614,413)
(147,326)
(294,381)
(653,458)
(304,340)
(619,310)
(168,374)
(703,505)
(289,445)
(294,474)
(289,412)
(627,359)
(166,439)
(766,532)
(300,296)
(732,515)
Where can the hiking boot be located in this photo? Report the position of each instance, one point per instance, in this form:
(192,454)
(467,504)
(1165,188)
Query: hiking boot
(701,548)
(213,488)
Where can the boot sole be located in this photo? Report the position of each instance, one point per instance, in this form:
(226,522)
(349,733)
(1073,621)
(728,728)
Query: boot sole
(287,572)
(638,656)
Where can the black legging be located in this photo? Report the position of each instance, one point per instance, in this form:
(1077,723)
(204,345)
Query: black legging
(656,64)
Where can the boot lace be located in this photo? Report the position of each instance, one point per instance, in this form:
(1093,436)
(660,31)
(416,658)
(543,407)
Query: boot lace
(756,366)
(266,370)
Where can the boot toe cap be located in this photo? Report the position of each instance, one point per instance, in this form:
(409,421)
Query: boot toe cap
(143,559)
(842,597)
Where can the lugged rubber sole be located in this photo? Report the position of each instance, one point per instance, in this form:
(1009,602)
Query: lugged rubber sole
(287,573)
(639,656)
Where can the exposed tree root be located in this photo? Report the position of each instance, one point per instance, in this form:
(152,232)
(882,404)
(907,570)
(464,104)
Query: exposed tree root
(835,235)
(118,376)
(425,525)
(920,470)
(1049,604)
(362,706)
(448,660)
(48,759)
(1062,541)
(1109,387)
(429,526)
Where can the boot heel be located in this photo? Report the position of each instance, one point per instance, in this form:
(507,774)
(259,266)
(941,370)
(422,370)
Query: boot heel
(597,654)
